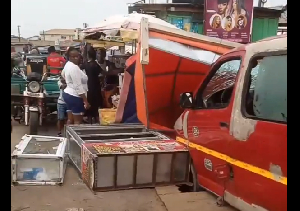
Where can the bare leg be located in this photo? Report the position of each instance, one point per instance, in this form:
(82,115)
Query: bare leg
(70,118)
(60,125)
(77,119)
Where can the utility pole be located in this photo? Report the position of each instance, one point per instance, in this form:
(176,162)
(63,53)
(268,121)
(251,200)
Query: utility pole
(19,33)
(85,25)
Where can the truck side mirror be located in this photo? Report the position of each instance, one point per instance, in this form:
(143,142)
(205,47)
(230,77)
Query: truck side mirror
(186,100)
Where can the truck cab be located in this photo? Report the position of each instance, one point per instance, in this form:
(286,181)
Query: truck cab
(235,125)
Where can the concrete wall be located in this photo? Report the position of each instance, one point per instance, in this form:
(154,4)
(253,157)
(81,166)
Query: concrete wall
(54,38)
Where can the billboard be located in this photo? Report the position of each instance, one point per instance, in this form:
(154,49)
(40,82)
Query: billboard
(229,19)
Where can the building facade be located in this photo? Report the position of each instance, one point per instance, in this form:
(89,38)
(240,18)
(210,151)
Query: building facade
(58,34)
(17,44)
(265,20)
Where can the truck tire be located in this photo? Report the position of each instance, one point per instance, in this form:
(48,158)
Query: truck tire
(33,122)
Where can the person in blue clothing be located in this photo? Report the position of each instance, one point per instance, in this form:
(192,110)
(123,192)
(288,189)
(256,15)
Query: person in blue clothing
(61,107)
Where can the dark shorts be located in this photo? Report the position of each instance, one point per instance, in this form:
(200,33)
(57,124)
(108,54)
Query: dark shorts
(61,111)
(74,104)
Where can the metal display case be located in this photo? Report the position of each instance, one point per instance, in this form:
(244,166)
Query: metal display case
(39,160)
(77,135)
(134,164)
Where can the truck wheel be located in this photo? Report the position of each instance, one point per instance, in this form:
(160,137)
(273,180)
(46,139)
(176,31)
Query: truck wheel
(33,122)
(196,187)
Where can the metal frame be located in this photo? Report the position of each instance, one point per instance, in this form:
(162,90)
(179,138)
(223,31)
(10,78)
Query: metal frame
(18,154)
(68,135)
(94,159)
(77,137)
(19,149)
(71,132)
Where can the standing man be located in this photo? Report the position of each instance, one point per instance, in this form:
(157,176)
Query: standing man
(55,60)
(61,106)
(25,51)
(223,8)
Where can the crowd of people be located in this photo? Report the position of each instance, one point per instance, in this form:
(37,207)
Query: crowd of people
(80,87)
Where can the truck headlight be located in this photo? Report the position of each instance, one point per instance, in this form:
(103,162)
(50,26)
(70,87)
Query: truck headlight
(34,86)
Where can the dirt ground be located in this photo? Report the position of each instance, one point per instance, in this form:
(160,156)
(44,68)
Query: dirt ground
(74,194)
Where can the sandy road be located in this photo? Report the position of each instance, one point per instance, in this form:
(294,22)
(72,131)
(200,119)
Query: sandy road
(74,194)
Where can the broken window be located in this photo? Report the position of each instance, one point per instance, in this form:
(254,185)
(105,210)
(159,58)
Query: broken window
(218,91)
(267,93)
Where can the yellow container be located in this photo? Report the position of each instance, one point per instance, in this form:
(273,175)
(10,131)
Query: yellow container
(107,115)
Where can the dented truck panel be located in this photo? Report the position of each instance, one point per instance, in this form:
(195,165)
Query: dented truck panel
(254,150)
(211,135)
(263,144)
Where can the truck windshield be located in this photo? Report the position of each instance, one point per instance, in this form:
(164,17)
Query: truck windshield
(223,79)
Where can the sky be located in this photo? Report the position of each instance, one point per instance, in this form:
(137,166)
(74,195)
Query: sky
(37,15)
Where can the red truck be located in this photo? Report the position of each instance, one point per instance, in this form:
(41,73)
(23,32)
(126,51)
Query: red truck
(229,102)
(235,125)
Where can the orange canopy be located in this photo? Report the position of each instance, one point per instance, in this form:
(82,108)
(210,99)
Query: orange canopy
(176,65)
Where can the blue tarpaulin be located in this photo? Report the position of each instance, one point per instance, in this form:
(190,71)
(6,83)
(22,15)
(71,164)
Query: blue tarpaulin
(130,113)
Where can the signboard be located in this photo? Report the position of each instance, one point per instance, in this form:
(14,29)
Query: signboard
(134,147)
(229,19)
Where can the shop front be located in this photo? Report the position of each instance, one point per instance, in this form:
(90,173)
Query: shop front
(189,17)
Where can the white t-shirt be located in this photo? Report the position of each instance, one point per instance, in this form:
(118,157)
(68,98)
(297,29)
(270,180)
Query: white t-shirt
(76,80)
(60,99)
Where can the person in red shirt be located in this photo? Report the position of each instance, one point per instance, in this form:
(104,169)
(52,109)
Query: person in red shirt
(55,60)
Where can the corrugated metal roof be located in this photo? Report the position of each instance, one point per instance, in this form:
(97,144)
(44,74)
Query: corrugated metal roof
(20,43)
(41,43)
(16,40)
(67,43)
(60,32)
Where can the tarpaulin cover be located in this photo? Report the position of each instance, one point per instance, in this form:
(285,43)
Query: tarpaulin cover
(126,112)
(151,93)
(173,68)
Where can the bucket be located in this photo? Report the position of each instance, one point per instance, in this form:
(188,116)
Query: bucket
(107,115)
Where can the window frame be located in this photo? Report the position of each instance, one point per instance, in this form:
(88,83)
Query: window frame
(247,83)
(209,77)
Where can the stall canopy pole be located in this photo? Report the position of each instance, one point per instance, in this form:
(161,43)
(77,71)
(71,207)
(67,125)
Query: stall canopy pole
(144,52)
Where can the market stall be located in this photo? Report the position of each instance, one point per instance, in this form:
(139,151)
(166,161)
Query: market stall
(111,57)
(122,32)
(78,135)
(126,156)
(167,63)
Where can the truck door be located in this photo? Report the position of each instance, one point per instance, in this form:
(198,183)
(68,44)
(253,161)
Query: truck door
(258,147)
(208,123)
